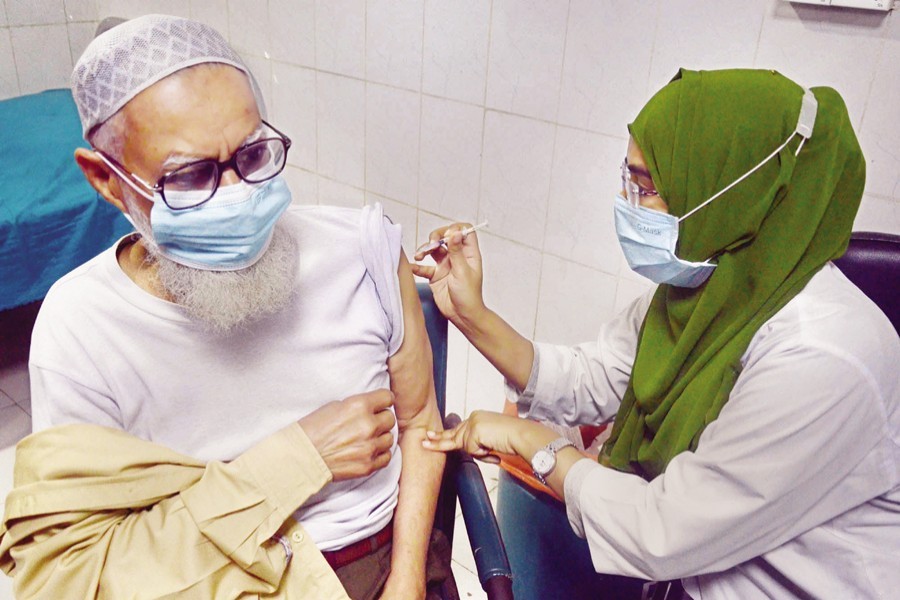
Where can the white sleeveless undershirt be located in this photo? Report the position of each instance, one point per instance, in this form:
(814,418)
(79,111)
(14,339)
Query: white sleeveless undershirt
(105,351)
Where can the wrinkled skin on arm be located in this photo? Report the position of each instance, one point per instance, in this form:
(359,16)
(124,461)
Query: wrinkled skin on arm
(416,408)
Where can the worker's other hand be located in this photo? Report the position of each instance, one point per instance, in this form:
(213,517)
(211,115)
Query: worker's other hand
(457,277)
(485,432)
(353,436)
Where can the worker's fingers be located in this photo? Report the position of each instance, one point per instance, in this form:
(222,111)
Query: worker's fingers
(425,271)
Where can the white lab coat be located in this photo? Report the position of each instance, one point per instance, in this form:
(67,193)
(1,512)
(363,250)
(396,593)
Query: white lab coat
(794,491)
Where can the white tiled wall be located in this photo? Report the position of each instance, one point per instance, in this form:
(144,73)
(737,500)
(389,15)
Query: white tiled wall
(511,111)
(40,41)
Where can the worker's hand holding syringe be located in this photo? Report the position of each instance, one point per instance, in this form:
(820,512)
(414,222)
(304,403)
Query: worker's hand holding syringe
(457,276)
(456,281)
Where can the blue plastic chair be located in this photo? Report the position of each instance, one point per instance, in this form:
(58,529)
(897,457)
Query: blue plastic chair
(462,477)
(547,559)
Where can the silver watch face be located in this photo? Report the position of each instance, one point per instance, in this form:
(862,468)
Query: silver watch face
(543,461)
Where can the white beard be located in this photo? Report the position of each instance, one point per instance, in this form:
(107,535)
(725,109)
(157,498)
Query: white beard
(225,301)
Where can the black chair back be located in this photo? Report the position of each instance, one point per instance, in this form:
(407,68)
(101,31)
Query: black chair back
(872,262)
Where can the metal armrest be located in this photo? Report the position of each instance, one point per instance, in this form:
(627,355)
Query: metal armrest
(481,524)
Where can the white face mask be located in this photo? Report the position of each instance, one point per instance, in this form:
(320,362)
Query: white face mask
(649,237)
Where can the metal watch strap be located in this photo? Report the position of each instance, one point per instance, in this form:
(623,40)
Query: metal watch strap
(552,448)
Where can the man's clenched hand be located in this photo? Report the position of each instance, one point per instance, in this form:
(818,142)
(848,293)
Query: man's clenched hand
(353,436)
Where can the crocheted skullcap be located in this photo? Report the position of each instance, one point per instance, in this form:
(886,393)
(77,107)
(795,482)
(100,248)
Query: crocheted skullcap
(130,57)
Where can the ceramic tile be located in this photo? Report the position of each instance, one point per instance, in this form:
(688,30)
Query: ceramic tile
(44,60)
(584,183)
(303,185)
(684,37)
(515,176)
(248,27)
(81,10)
(292,29)
(454,63)
(484,386)
(5,400)
(450,160)
(880,132)
(604,80)
(294,111)
(394,42)
(399,214)
(574,302)
(14,425)
(878,214)
(491,474)
(80,35)
(9,81)
(467,582)
(35,12)
(511,275)
(457,370)
(492,494)
(25,405)
(15,382)
(816,46)
(341,37)
(6,583)
(7,460)
(392,142)
(7,457)
(462,550)
(628,290)
(335,193)
(3,20)
(340,122)
(526,56)
(212,12)
(134,8)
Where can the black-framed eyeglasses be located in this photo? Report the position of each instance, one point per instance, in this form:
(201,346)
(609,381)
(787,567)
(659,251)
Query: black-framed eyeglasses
(193,184)
(633,189)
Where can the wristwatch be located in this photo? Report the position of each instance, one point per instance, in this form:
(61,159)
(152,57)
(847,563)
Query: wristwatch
(544,460)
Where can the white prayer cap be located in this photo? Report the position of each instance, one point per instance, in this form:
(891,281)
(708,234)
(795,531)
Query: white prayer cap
(127,59)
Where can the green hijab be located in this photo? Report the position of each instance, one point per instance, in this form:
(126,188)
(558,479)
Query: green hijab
(771,233)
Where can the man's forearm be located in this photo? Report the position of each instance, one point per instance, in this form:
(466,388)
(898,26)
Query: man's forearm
(420,482)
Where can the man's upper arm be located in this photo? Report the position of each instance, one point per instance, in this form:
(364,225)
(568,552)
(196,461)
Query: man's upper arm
(411,366)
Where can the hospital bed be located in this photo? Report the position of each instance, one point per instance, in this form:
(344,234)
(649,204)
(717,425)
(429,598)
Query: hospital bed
(51,220)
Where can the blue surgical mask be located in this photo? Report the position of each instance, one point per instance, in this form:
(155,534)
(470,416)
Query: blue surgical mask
(648,239)
(231,231)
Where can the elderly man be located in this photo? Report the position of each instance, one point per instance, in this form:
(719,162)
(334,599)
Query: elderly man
(210,395)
